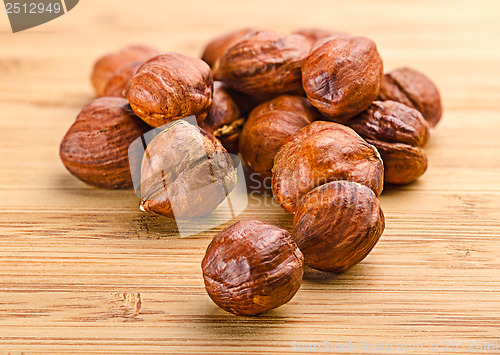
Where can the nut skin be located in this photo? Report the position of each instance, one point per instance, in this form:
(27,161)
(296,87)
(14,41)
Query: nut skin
(95,148)
(224,120)
(342,75)
(337,225)
(185,172)
(316,34)
(107,65)
(263,62)
(267,127)
(120,80)
(252,267)
(415,90)
(319,153)
(399,133)
(218,45)
(171,86)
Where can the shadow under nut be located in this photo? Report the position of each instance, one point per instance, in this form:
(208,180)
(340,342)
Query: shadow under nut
(169,87)
(337,225)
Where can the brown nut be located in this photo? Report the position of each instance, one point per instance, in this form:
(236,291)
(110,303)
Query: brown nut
(315,34)
(252,267)
(185,172)
(413,89)
(224,120)
(218,45)
(319,153)
(267,127)
(107,65)
(95,148)
(342,75)
(120,80)
(171,86)
(399,133)
(263,62)
(337,225)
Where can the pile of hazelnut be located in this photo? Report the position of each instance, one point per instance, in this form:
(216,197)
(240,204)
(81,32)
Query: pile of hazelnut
(311,110)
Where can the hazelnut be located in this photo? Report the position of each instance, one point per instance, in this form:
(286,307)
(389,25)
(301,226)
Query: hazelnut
(263,62)
(252,267)
(315,34)
(218,45)
(108,64)
(171,86)
(399,133)
(120,79)
(413,89)
(319,153)
(95,148)
(342,75)
(185,172)
(224,120)
(268,125)
(337,225)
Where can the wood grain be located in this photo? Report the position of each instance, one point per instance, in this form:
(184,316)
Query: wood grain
(84,271)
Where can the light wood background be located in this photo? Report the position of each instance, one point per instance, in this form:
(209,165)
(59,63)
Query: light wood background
(73,259)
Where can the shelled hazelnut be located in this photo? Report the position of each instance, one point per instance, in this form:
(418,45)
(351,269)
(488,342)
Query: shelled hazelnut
(399,133)
(107,65)
(319,153)
(252,267)
(95,148)
(267,127)
(415,90)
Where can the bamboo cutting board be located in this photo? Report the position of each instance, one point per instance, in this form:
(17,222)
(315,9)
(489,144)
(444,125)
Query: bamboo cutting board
(82,270)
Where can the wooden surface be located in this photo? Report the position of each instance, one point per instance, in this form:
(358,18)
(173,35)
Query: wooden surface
(73,259)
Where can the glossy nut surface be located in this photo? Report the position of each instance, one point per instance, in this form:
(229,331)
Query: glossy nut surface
(342,75)
(267,127)
(95,148)
(415,90)
(252,267)
(337,225)
(225,119)
(218,45)
(319,153)
(399,132)
(171,86)
(185,172)
(263,62)
(107,65)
